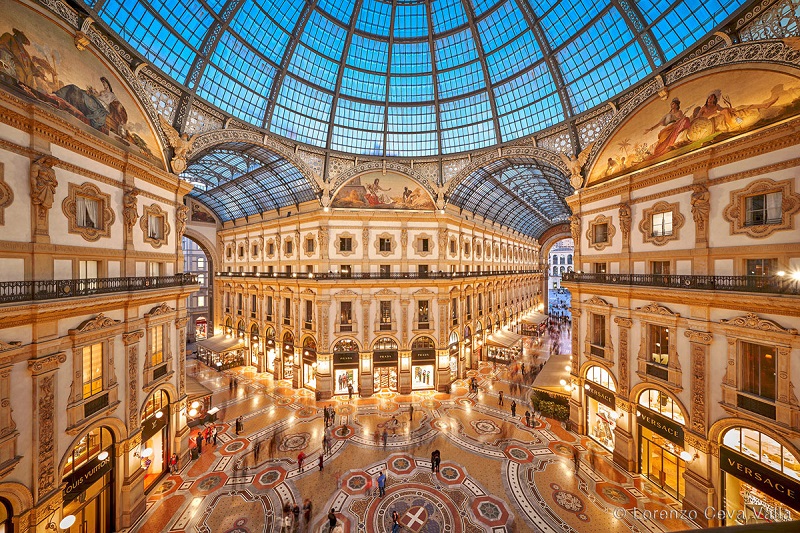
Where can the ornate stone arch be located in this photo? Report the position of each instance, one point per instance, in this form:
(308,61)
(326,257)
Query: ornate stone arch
(530,153)
(588,364)
(18,495)
(114,424)
(205,141)
(637,390)
(167,387)
(207,246)
(719,427)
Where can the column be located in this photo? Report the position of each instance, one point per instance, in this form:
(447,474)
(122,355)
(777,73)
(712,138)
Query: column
(625,449)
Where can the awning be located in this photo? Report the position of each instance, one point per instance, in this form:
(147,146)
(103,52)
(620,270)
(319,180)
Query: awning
(221,344)
(196,390)
(534,320)
(504,339)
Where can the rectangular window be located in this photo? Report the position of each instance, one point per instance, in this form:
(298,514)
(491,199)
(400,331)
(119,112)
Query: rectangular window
(480,304)
(758,369)
(239,303)
(422,313)
(201,279)
(288,270)
(201,301)
(424,245)
(155,227)
(600,233)
(469,307)
(289,247)
(269,307)
(255,249)
(763,209)
(422,270)
(157,345)
(454,310)
(386,315)
(270,249)
(452,247)
(659,344)
(87,269)
(346,313)
(309,269)
(659,267)
(92,369)
(253,305)
(287,311)
(201,263)
(87,212)
(385,270)
(385,244)
(310,246)
(154,269)
(270,269)
(599,331)
(599,268)
(345,270)
(761,267)
(309,315)
(255,269)
(661,224)
(345,244)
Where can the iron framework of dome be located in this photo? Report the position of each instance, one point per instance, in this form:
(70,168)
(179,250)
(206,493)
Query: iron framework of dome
(409,78)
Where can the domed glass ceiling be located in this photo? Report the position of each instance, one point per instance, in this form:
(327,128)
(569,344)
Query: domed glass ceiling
(409,77)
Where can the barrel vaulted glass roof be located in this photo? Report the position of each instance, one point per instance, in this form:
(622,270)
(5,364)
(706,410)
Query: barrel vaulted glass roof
(409,78)
(524,196)
(237,180)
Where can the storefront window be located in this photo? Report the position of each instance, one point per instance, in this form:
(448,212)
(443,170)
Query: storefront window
(310,363)
(600,406)
(662,404)
(88,478)
(600,376)
(423,360)
(758,370)
(154,452)
(661,463)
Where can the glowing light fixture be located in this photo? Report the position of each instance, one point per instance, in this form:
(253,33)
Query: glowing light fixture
(67,521)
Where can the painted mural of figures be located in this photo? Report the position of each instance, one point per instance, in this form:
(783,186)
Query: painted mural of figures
(103,109)
(712,118)
(673,123)
(374,196)
(16,60)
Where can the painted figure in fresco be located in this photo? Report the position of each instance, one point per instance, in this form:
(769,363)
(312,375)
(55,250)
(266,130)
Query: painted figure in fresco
(16,59)
(374,196)
(673,123)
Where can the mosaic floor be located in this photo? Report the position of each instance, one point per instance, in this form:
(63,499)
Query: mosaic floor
(495,475)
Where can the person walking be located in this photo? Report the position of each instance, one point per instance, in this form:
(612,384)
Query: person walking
(230,385)
(513,408)
(214,433)
(296,516)
(350,391)
(437,461)
(321,459)
(527,418)
(411,413)
(501,398)
(199,442)
(300,458)
(257,450)
(331,519)
(325,415)
(433,460)
(173,463)
(385,437)
(307,514)
(207,434)
(287,523)
(576,457)
(381,484)
(395,522)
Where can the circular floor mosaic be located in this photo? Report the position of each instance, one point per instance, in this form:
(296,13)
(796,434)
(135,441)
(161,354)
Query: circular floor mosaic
(294,442)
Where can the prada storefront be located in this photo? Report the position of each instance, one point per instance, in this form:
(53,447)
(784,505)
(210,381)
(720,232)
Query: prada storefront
(345,366)
(423,363)
(661,441)
(760,479)
(601,406)
(384,364)
(88,478)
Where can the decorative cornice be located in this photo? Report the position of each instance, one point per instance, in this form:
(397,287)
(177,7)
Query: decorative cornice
(132,337)
(657,309)
(699,337)
(162,309)
(753,321)
(596,300)
(99,322)
(623,322)
(5,346)
(47,363)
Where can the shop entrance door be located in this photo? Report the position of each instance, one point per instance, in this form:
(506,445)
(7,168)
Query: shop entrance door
(385,378)
(661,466)
(93,516)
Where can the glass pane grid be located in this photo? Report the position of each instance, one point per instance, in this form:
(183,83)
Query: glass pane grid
(323,36)
(309,65)
(260,31)
(447,15)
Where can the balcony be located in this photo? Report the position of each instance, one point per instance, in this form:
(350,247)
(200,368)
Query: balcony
(32,291)
(764,284)
(334,276)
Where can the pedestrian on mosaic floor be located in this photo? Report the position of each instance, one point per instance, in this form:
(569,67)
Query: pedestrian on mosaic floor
(325,415)
(307,513)
(592,458)
(437,460)
(411,413)
(394,423)
(207,435)
(433,460)
(296,516)
(349,391)
(214,433)
(173,463)
(501,398)
(331,519)
(513,408)
(239,425)
(395,522)
(576,457)
(287,523)
(321,459)
(199,442)
(300,458)
(257,450)
(385,437)
(381,484)
(272,445)
(230,385)
(528,418)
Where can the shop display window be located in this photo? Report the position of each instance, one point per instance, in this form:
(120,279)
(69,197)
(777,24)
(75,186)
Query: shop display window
(763,448)
(385,378)
(661,463)
(344,377)
(602,422)
(662,404)
(422,376)
(310,375)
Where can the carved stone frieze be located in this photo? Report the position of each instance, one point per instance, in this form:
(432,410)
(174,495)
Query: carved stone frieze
(701,209)
(657,309)
(181,216)
(699,407)
(99,322)
(43,189)
(161,309)
(700,337)
(45,415)
(6,195)
(753,321)
(47,363)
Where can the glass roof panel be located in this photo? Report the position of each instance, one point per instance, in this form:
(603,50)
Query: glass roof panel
(344,49)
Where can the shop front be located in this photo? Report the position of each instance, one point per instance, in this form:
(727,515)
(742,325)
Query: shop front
(155,446)
(221,352)
(269,346)
(200,332)
(467,348)
(661,441)
(255,348)
(345,366)
(309,363)
(287,354)
(601,406)
(503,347)
(384,364)
(88,478)
(478,350)
(452,350)
(423,364)
(760,479)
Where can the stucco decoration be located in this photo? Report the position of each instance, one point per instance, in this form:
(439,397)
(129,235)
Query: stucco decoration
(45,66)
(702,110)
(94,224)
(646,224)
(379,190)
(753,321)
(592,232)
(151,235)
(736,211)
(6,195)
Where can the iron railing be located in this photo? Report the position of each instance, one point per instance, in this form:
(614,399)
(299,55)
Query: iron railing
(323,276)
(28,291)
(767,284)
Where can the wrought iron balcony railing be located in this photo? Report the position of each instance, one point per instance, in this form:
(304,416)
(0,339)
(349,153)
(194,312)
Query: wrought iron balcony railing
(29,291)
(766,284)
(323,276)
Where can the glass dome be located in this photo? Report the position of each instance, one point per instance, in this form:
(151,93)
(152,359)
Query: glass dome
(409,78)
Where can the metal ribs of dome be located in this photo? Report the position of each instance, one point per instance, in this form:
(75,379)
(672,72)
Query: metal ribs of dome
(409,78)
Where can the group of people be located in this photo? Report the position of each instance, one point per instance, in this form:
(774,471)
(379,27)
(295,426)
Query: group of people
(208,434)
(292,522)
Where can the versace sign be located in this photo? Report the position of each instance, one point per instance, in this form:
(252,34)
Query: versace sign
(661,425)
(601,394)
(760,476)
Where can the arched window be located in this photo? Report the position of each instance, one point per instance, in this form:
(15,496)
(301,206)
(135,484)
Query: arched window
(661,403)
(763,448)
(423,343)
(6,513)
(89,447)
(453,338)
(385,344)
(156,402)
(569,259)
(346,345)
(599,375)
(555,271)
(560,270)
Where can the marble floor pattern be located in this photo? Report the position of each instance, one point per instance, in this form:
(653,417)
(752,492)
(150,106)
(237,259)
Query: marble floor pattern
(496,474)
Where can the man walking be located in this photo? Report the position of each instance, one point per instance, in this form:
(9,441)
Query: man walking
(513,408)
(321,459)
(395,522)
(576,457)
(300,458)
(385,437)
(331,520)
(214,435)
(350,391)
(501,398)
(381,484)
(411,413)
(199,442)
(257,450)
(528,418)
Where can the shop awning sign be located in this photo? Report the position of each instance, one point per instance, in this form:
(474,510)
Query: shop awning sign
(154,424)
(85,476)
(661,425)
(770,482)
